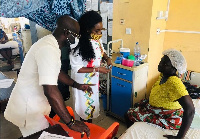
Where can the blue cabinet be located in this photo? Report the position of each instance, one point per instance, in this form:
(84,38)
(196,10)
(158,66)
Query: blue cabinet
(121,93)
(128,86)
(122,73)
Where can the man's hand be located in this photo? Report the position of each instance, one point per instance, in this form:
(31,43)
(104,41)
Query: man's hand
(81,127)
(83,87)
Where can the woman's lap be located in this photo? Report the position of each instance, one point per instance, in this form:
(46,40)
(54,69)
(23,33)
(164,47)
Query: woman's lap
(143,111)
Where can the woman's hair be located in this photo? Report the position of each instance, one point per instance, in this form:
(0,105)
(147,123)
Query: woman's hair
(87,21)
(177,59)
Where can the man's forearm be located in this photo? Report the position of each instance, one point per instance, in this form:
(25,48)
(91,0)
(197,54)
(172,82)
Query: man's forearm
(57,103)
(65,78)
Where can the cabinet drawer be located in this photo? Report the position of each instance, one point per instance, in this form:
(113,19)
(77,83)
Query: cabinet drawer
(121,96)
(122,73)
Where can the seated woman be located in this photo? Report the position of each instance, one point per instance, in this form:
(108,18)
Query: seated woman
(169,105)
(6,47)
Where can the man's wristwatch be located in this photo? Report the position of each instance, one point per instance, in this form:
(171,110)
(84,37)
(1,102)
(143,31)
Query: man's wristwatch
(71,123)
(73,85)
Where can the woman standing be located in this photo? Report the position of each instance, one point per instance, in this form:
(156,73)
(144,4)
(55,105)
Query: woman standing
(85,61)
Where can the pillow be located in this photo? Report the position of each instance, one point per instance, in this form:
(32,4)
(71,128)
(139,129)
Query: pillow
(196,120)
(196,103)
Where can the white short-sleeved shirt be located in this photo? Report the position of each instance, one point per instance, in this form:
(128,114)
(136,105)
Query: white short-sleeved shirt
(41,66)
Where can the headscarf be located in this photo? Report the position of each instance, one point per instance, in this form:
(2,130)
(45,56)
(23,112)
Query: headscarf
(177,59)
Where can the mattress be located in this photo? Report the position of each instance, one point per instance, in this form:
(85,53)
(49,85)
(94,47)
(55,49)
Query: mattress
(143,130)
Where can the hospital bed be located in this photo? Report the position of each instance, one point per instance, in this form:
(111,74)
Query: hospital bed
(143,130)
(16,44)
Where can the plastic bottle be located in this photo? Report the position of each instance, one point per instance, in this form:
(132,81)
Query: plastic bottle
(137,54)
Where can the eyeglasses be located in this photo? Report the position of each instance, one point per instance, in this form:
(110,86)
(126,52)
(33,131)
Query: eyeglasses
(75,35)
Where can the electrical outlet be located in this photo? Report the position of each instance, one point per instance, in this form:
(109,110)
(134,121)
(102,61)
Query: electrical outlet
(128,30)
(158,31)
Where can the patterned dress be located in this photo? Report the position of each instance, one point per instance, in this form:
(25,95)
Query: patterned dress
(163,109)
(87,103)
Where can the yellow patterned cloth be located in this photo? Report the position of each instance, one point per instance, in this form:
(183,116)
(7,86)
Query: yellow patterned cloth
(167,94)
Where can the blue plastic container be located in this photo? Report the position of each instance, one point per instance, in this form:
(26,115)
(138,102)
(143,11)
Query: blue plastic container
(27,26)
(125,52)
(118,60)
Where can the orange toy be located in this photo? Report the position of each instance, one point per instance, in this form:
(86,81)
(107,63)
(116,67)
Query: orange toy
(96,132)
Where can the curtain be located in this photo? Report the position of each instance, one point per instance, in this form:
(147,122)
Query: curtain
(43,12)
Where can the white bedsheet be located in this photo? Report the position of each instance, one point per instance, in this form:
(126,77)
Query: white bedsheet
(143,130)
(196,103)
(10,44)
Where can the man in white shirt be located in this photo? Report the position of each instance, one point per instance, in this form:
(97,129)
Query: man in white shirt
(36,89)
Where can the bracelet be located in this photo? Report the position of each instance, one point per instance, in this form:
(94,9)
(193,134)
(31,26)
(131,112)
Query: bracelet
(73,85)
(98,69)
(71,123)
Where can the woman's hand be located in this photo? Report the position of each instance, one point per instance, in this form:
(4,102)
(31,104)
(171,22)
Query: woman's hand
(109,62)
(104,70)
(107,59)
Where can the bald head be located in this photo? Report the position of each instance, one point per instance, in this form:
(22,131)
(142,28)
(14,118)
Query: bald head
(67,22)
(66,31)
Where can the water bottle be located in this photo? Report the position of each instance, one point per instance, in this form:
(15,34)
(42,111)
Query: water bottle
(137,54)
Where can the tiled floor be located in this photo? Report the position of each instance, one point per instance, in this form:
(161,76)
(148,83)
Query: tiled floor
(10,131)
